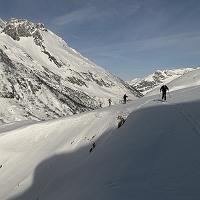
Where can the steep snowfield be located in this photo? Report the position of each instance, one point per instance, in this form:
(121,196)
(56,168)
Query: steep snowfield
(154,155)
(47,79)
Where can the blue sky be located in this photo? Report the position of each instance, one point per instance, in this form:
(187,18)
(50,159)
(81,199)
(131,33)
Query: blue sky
(129,38)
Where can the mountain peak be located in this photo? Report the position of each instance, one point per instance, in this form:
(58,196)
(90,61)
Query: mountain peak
(22,22)
(17,28)
(45,78)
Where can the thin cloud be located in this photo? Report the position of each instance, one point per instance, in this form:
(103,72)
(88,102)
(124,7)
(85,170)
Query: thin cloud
(169,41)
(177,41)
(78,16)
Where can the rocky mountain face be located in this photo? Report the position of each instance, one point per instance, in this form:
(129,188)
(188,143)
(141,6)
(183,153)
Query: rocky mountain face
(158,78)
(43,78)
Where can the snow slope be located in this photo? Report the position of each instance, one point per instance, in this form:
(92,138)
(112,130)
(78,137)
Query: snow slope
(154,155)
(47,79)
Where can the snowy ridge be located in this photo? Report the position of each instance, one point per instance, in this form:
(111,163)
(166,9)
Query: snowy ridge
(134,81)
(160,160)
(45,78)
(145,85)
(187,80)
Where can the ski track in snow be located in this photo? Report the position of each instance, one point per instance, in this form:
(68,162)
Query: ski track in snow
(187,115)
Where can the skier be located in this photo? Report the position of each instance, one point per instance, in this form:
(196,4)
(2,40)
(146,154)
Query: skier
(164,89)
(109,101)
(125,97)
(100,105)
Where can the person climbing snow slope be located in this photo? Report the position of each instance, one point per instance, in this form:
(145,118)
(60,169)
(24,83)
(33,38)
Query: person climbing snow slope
(164,89)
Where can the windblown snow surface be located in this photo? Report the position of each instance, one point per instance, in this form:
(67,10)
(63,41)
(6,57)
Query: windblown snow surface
(155,155)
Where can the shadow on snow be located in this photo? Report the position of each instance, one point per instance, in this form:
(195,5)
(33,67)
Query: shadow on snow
(155,155)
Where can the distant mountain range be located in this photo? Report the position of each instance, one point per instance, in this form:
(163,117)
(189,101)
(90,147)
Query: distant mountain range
(43,78)
(159,77)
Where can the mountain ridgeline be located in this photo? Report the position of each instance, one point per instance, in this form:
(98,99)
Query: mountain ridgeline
(43,78)
(159,77)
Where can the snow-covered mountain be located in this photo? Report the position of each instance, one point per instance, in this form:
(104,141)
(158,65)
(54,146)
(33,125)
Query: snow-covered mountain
(154,155)
(41,77)
(2,24)
(145,85)
(187,80)
(134,81)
